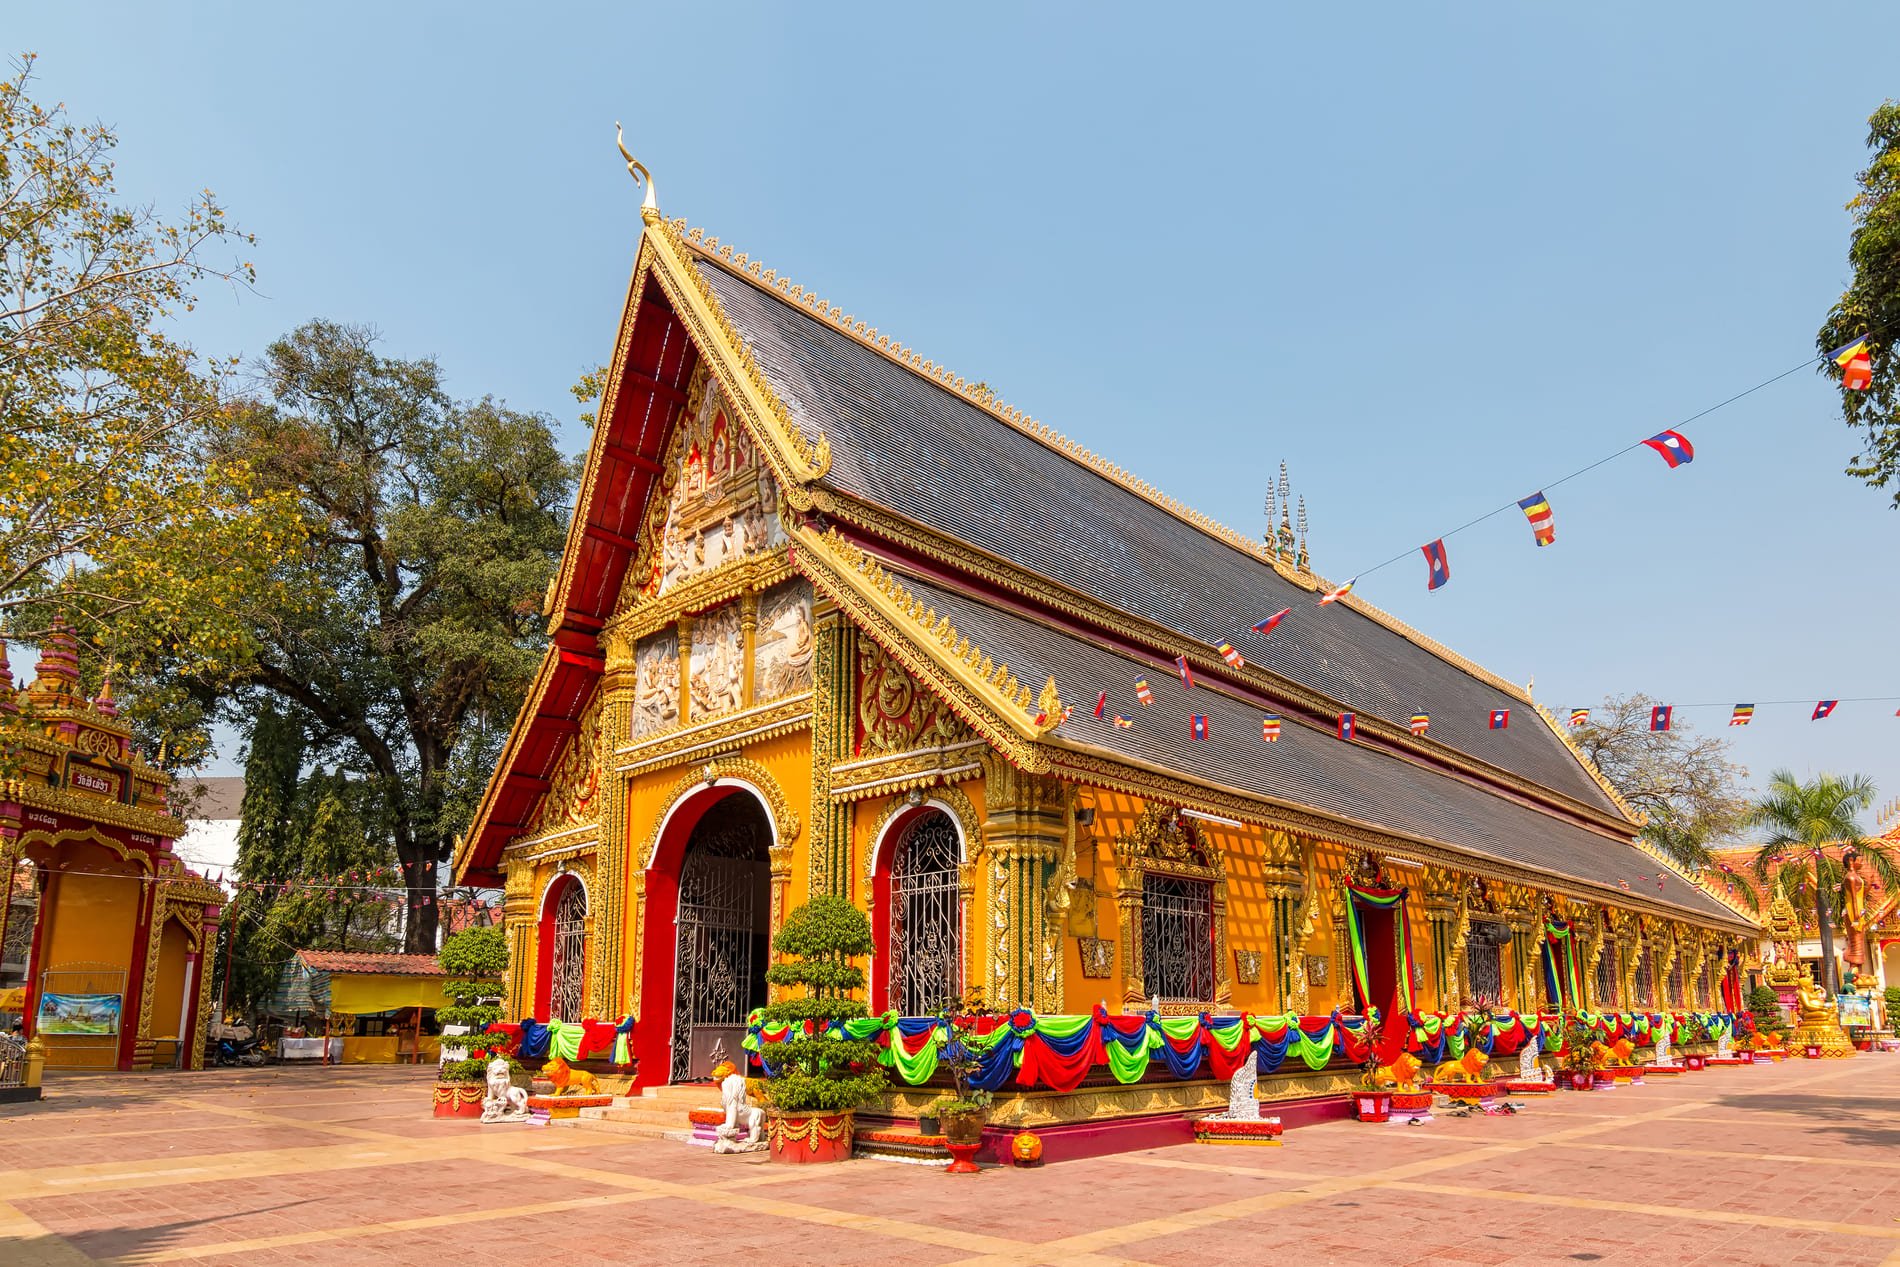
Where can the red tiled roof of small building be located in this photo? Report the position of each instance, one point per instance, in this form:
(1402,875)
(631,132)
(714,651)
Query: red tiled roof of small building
(345,961)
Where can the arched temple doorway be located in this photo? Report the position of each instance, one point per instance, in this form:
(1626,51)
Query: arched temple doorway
(917,914)
(722,935)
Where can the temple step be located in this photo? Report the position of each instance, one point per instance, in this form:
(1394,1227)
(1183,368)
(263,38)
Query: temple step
(645,1130)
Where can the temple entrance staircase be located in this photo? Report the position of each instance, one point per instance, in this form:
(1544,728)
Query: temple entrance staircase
(656,1113)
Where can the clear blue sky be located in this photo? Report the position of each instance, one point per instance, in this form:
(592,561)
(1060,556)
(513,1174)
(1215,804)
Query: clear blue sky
(1432,258)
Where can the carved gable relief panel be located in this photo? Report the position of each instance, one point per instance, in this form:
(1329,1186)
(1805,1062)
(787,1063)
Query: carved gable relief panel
(718,662)
(716,502)
(781,661)
(573,797)
(895,714)
(656,703)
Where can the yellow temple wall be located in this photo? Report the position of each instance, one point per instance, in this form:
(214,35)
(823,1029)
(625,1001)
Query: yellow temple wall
(168,993)
(91,924)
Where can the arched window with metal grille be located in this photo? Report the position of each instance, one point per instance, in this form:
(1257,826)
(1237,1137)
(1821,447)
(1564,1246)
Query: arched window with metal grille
(926,942)
(567,1000)
(1607,994)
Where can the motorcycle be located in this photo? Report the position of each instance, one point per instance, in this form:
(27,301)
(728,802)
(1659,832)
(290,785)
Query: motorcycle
(238,1046)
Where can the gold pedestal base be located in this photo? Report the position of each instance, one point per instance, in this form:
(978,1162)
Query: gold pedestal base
(1820,1029)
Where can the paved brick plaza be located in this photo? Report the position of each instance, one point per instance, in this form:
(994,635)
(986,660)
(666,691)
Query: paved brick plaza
(1789,1164)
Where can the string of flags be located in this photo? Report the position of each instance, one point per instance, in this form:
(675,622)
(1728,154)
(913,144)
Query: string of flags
(1672,446)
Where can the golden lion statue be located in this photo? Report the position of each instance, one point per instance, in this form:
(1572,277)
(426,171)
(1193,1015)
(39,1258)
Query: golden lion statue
(1402,1073)
(1467,1068)
(569,1080)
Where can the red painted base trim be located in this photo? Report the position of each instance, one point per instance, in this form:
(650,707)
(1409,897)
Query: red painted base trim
(1070,1141)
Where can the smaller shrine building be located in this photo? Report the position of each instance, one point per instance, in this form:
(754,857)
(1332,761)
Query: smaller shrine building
(109,937)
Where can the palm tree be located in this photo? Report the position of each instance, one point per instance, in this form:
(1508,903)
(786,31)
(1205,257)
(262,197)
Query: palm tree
(1802,819)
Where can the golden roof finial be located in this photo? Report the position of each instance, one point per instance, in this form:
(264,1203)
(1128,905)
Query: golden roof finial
(649,206)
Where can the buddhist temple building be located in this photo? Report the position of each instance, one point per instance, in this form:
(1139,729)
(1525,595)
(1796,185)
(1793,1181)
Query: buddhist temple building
(834,620)
(109,938)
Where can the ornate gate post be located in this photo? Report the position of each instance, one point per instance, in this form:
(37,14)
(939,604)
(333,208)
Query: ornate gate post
(1023,831)
(834,705)
(606,996)
(1285,880)
(1442,890)
(517,916)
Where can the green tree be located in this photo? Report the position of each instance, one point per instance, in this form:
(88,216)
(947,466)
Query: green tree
(1682,781)
(113,495)
(1871,304)
(434,528)
(310,851)
(1801,820)
(819,1073)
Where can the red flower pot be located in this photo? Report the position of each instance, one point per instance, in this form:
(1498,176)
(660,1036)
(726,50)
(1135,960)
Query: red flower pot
(1748,1057)
(1372,1106)
(455,1099)
(1581,1080)
(806,1138)
(1812,1051)
(1695,1062)
(1604,1078)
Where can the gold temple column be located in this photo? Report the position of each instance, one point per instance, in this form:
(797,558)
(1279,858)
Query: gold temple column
(780,856)
(517,917)
(1023,833)
(834,705)
(1441,891)
(606,995)
(749,643)
(685,627)
(1285,886)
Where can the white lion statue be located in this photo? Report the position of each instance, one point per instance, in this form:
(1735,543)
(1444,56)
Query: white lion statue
(505,1102)
(739,1133)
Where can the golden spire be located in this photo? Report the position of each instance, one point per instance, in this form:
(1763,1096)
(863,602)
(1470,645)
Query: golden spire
(1305,564)
(649,206)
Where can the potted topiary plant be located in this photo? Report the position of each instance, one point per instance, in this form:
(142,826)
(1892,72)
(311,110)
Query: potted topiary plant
(1694,1032)
(816,1078)
(966,1110)
(1582,1055)
(1372,1102)
(475,961)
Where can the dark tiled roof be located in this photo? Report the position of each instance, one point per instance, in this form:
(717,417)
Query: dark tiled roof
(903,443)
(344,961)
(1306,766)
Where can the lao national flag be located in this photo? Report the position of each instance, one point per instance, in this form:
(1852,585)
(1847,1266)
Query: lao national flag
(1823,708)
(1674,448)
(1187,674)
(1437,563)
(1197,726)
(1500,719)
(1348,725)
(1659,717)
(1266,626)
(1101,702)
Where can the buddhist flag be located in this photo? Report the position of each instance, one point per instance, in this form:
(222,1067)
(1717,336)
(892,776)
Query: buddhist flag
(1674,448)
(1579,717)
(1348,725)
(1266,626)
(1333,596)
(1197,726)
(1187,674)
(1536,508)
(1142,692)
(1659,717)
(1101,702)
(1500,719)
(1857,368)
(1743,714)
(1270,728)
(1823,708)
(1437,564)
(1421,722)
(1232,656)
(1123,722)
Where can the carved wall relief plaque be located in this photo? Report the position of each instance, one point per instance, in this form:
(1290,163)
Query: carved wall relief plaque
(895,714)
(1316,969)
(657,684)
(1247,967)
(782,660)
(1098,957)
(718,662)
